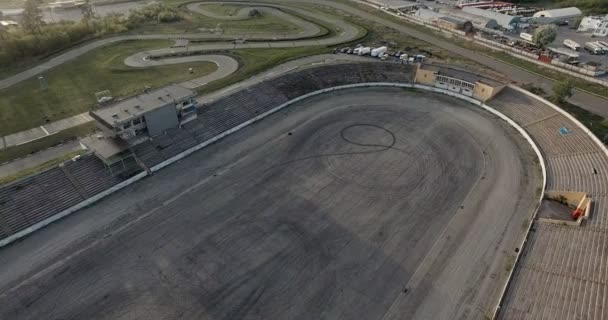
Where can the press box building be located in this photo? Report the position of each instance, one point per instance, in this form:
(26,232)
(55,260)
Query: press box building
(147,114)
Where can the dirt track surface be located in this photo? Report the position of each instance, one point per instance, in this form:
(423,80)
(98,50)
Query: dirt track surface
(330,209)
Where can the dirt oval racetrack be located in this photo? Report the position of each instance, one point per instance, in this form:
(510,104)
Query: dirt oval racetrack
(370,203)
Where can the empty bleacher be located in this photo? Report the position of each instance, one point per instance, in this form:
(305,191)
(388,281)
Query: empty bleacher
(521,108)
(563,270)
(91,175)
(36,198)
(547,133)
(33,199)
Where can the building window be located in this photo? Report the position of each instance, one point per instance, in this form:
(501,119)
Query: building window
(127,125)
(136,121)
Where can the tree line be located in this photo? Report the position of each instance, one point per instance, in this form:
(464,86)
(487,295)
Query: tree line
(33,37)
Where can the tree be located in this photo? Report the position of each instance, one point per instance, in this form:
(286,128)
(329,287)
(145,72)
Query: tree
(544,35)
(562,91)
(87,11)
(32,17)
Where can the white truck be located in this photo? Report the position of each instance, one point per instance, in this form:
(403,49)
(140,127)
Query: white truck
(364,51)
(526,36)
(603,45)
(377,51)
(572,45)
(593,48)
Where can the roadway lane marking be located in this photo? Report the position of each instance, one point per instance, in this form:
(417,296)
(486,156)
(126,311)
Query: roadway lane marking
(46,132)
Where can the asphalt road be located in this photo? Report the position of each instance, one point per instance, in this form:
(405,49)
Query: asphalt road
(329,209)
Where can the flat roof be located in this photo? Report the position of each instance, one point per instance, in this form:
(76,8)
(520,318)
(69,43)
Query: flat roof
(136,106)
(453,20)
(558,13)
(461,75)
(104,147)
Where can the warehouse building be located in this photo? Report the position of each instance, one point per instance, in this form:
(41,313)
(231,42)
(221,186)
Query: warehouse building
(428,15)
(147,114)
(557,16)
(459,81)
(478,21)
(504,21)
(444,21)
(455,23)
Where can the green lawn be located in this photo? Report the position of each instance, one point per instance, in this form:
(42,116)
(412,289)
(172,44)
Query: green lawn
(254,61)
(72,86)
(261,24)
(223,9)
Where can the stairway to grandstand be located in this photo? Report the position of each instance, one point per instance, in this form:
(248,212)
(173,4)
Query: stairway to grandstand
(563,271)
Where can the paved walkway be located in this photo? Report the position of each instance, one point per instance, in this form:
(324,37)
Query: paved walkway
(30,135)
(38,158)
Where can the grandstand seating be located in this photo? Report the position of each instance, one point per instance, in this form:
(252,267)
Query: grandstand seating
(563,269)
(522,109)
(31,200)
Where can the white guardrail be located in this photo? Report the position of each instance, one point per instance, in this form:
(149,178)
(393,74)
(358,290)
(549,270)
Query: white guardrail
(180,156)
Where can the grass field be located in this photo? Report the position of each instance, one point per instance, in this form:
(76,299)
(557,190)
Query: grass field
(194,22)
(254,61)
(73,85)
(222,9)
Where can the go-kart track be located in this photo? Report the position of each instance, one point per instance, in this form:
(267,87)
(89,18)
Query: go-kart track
(311,35)
(358,204)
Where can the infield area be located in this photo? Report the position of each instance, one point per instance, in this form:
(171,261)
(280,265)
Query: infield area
(358,204)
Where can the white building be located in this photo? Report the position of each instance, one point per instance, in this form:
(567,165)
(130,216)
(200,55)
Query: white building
(505,21)
(595,24)
(557,15)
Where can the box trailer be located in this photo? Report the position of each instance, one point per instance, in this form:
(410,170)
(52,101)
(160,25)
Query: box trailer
(602,45)
(593,48)
(364,51)
(572,45)
(377,51)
